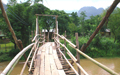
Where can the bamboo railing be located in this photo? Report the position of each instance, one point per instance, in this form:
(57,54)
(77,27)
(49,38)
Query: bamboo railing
(33,51)
(71,56)
(14,61)
(86,56)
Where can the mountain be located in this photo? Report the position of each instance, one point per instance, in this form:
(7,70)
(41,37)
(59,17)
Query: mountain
(70,11)
(5,6)
(89,11)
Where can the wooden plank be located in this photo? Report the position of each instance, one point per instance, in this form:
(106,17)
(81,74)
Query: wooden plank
(36,71)
(57,61)
(50,50)
(42,66)
(47,65)
(37,64)
(46,50)
(55,54)
(61,72)
(43,49)
(53,44)
(53,66)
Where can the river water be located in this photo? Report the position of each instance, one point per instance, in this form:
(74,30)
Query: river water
(93,69)
(16,70)
(90,68)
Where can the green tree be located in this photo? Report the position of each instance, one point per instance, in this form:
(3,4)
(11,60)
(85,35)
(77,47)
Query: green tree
(75,18)
(12,2)
(63,20)
(73,28)
(36,9)
(17,15)
(113,24)
(83,26)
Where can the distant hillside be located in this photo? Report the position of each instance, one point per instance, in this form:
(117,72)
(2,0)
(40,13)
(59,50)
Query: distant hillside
(89,11)
(5,6)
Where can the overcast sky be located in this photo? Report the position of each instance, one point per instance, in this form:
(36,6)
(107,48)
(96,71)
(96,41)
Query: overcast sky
(73,5)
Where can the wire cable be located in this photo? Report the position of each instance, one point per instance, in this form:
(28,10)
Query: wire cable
(19,17)
(16,18)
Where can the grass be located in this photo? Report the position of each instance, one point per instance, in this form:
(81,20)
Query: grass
(6,47)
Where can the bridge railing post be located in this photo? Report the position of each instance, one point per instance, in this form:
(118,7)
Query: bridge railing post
(78,54)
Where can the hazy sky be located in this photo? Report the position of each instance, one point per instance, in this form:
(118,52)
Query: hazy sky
(69,5)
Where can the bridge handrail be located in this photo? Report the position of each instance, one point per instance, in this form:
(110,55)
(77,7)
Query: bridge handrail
(36,49)
(27,60)
(91,59)
(35,37)
(14,61)
(71,56)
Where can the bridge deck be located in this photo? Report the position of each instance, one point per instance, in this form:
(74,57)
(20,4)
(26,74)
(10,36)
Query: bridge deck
(47,62)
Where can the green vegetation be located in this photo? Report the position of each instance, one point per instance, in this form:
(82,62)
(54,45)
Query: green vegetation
(7,46)
(22,18)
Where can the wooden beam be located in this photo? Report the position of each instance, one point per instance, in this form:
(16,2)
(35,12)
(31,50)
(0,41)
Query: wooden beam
(46,15)
(17,42)
(78,54)
(105,18)
(9,25)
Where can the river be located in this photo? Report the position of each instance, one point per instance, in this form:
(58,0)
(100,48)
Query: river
(90,68)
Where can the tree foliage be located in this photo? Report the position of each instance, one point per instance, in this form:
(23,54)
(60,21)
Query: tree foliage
(113,24)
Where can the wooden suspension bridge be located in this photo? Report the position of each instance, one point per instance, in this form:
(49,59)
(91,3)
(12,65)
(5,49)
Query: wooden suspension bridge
(49,58)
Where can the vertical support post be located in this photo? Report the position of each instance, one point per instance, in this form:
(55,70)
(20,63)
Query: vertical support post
(78,54)
(65,44)
(56,25)
(37,30)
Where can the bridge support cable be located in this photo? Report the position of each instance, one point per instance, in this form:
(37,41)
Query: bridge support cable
(14,61)
(17,42)
(72,57)
(91,59)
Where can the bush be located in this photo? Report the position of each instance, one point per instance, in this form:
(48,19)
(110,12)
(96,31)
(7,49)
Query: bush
(99,47)
(13,52)
(5,57)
